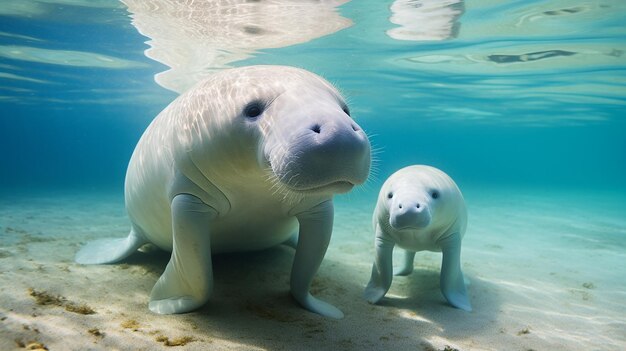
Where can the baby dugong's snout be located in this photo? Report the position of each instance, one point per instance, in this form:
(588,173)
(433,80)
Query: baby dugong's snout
(405,214)
(330,150)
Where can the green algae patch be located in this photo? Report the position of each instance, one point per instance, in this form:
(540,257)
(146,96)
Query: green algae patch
(80,309)
(44,298)
(182,341)
(130,324)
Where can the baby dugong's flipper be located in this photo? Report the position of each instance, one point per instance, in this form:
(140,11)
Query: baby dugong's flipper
(110,250)
(382,269)
(451,278)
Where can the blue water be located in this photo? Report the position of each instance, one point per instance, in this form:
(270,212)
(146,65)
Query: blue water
(70,121)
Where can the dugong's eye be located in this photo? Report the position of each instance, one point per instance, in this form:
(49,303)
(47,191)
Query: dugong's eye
(253,109)
(346,110)
(390,195)
(434,194)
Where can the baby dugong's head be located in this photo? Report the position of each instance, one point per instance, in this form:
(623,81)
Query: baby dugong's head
(419,197)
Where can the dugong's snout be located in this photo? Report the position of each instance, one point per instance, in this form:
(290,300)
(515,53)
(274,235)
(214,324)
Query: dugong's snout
(409,214)
(326,153)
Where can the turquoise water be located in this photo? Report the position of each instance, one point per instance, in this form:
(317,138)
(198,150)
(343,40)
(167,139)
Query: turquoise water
(519,92)
(521,102)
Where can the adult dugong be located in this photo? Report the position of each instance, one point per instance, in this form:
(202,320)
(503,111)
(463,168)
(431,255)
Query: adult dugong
(244,160)
(419,208)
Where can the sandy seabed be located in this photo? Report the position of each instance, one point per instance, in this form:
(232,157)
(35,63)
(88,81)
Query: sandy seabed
(547,272)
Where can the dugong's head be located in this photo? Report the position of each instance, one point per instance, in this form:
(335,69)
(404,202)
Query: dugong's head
(421,198)
(280,126)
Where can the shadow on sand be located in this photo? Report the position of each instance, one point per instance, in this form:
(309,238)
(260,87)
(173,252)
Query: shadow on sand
(251,306)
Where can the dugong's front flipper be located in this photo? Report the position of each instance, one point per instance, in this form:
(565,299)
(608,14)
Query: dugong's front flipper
(110,250)
(188,278)
(316,227)
(451,279)
(382,270)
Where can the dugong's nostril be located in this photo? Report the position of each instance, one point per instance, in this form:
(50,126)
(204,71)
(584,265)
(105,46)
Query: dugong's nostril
(399,205)
(417,205)
(316,128)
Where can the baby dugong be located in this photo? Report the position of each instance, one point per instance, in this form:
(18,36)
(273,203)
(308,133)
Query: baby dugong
(419,208)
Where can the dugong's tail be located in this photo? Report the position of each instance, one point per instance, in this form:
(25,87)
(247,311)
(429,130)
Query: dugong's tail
(110,250)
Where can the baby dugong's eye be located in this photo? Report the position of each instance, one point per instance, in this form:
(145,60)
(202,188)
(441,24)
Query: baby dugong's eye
(253,110)
(434,194)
